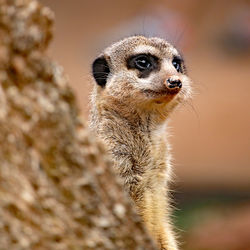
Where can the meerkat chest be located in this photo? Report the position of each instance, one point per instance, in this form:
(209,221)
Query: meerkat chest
(145,150)
(134,146)
(159,148)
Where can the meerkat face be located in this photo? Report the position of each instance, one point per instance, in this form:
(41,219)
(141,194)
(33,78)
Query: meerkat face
(142,71)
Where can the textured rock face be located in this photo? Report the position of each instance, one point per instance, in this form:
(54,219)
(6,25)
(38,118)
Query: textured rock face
(57,187)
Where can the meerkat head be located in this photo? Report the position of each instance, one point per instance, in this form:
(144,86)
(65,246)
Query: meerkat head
(142,73)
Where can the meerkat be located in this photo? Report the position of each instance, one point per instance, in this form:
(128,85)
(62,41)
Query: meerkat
(138,82)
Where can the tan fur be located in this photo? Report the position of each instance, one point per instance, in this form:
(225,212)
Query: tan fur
(132,124)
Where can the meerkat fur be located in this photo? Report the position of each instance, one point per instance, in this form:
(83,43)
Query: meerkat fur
(138,83)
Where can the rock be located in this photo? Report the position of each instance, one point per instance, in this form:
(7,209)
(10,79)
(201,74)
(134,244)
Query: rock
(55,178)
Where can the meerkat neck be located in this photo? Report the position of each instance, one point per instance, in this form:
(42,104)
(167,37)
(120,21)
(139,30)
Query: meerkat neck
(135,141)
(134,123)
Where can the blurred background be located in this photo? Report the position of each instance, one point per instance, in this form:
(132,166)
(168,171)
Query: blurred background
(211,135)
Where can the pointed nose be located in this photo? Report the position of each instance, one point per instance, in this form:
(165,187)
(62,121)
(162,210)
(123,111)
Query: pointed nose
(174,83)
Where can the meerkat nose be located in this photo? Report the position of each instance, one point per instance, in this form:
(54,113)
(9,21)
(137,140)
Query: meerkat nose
(174,83)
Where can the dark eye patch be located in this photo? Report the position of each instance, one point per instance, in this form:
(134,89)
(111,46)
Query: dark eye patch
(144,63)
(178,63)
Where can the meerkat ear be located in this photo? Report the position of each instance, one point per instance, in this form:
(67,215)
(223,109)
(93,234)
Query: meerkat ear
(100,70)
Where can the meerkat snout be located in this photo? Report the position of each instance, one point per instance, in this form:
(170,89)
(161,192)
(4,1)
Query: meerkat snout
(174,83)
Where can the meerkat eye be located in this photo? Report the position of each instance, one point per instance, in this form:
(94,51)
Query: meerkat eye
(142,62)
(177,63)
(145,63)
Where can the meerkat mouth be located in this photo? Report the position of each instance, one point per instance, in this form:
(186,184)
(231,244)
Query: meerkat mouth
(162,93)
(162,96)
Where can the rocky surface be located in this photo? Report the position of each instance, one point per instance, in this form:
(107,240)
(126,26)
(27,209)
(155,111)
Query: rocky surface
(57,186)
